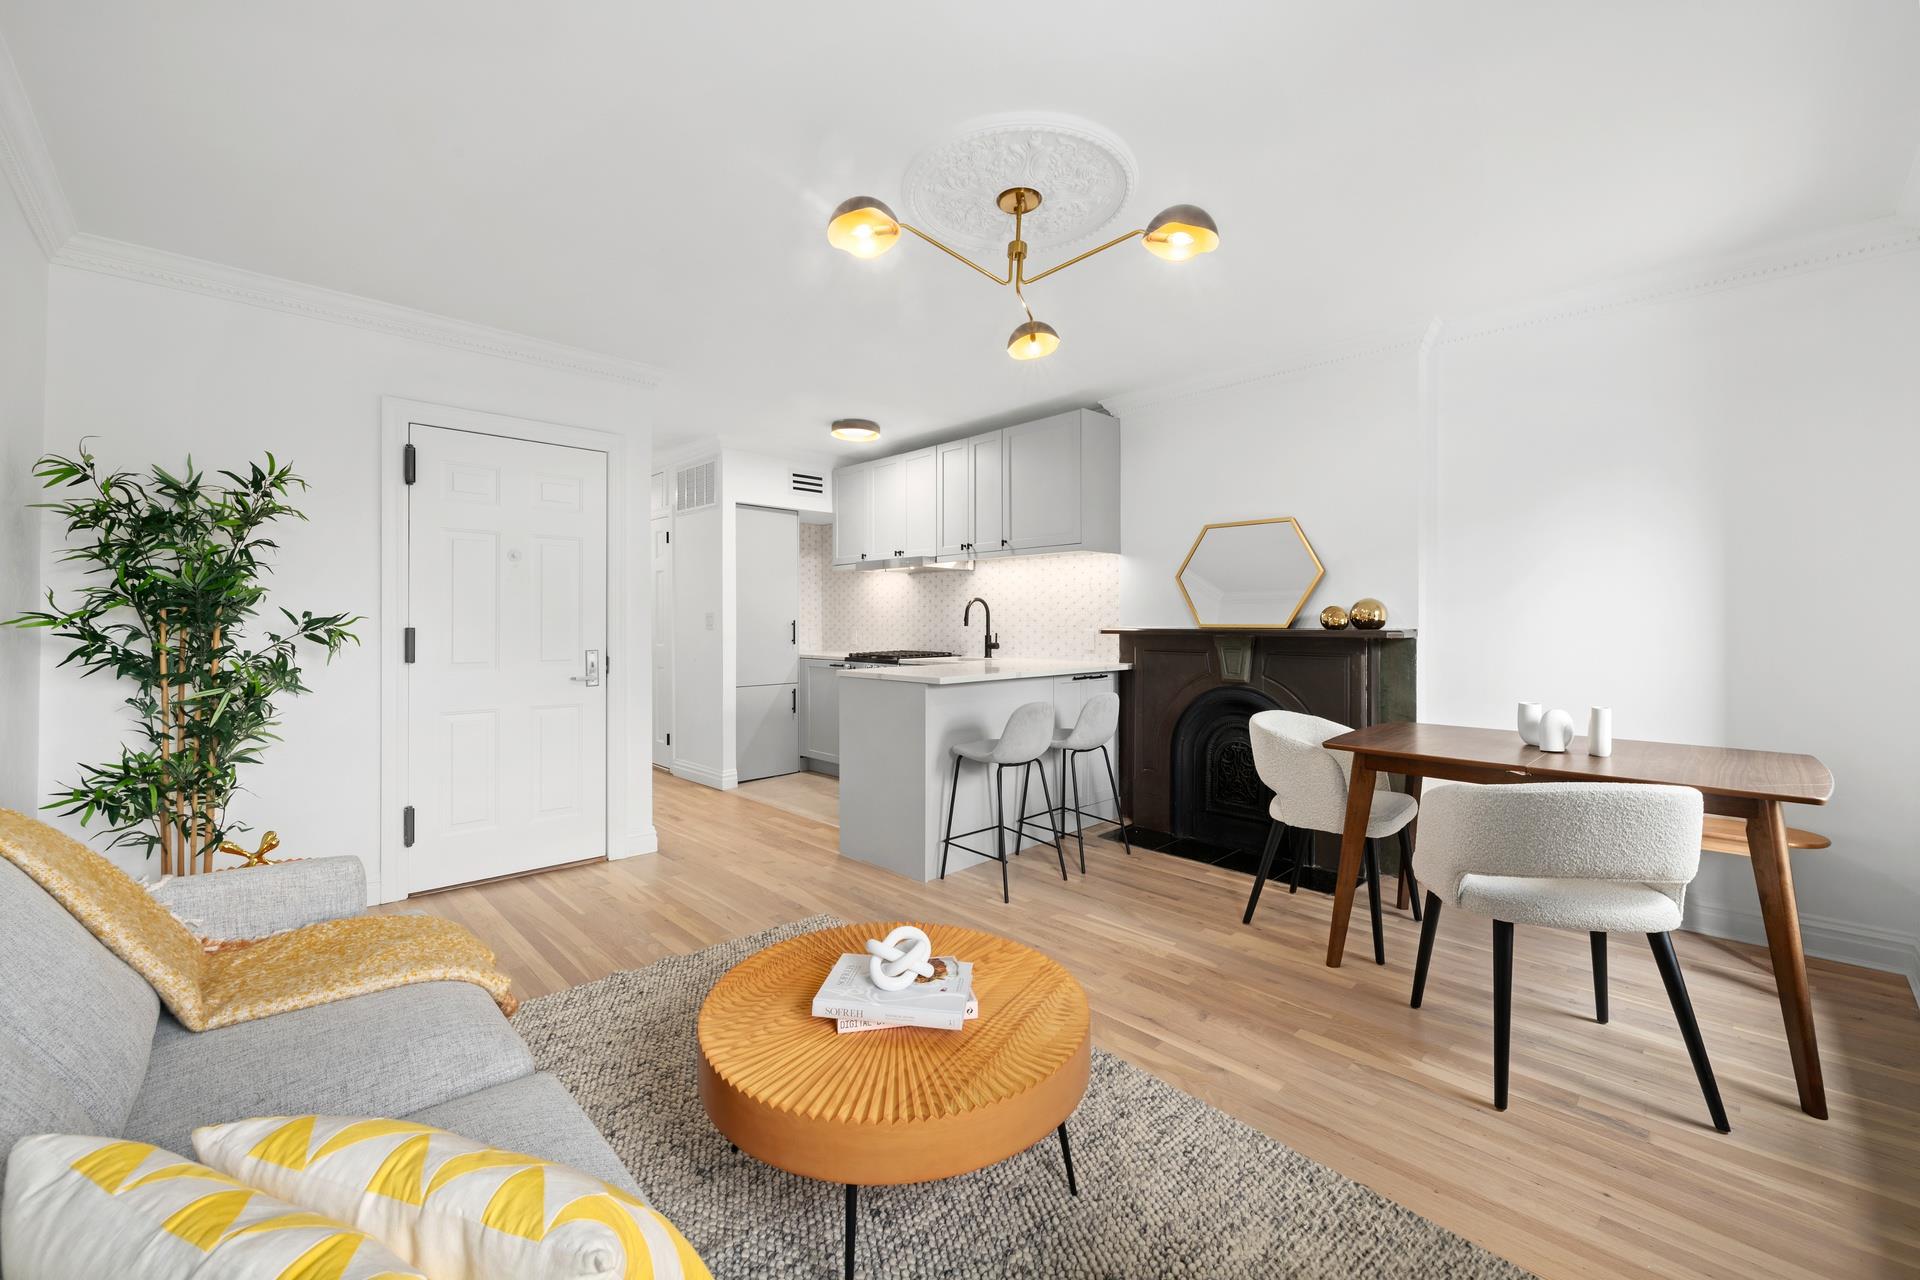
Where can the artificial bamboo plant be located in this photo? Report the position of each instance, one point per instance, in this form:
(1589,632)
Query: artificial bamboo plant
(173,575)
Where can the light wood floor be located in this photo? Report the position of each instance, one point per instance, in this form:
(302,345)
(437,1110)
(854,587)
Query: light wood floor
(1605,1163)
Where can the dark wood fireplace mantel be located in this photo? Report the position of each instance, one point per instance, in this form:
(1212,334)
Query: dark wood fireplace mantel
(1186,701)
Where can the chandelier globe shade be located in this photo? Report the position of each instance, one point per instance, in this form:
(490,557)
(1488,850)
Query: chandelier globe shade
(858,430)
(1032,341)
(864,227)
(1181,232)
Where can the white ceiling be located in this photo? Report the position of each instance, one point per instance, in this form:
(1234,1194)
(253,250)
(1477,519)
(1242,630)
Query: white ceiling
(652,180)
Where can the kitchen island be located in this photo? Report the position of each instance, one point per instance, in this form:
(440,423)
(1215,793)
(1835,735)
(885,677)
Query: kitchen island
(898,727)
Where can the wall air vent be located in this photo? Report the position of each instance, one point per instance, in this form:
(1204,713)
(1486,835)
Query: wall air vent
(696,486)
(802,482)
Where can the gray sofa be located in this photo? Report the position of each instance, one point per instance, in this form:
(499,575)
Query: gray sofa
(86,1048)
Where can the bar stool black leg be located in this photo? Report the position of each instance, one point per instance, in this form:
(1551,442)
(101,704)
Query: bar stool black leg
(1000,828)
(1274,832)
(1066,1154)
(1079,814)
(853,1200)
(1598,939)
(1663,955)
(1026,778)
(1428,928)
(1373,904)
(1119,810)
(1059,845)
(952,799)
(1503,1007)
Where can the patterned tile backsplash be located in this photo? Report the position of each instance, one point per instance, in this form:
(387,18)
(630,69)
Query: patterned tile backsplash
(1043,606)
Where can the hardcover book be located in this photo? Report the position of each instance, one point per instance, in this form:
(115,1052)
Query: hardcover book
(939,1001)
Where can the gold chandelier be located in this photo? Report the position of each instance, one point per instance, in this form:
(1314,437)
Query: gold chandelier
(866,228)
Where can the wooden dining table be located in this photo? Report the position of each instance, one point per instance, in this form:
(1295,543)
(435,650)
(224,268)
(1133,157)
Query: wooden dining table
(1751,785)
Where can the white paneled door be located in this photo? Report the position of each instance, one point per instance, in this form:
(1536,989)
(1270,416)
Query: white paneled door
(506,693)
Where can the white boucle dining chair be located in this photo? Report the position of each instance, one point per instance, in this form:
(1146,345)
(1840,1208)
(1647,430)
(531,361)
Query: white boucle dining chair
(1309,785)
(1606,857)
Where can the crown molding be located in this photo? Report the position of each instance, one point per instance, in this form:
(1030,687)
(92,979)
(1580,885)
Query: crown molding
(234,284)
(29,169)
(1820,251)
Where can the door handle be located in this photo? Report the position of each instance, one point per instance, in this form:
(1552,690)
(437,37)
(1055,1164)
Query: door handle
(592,677)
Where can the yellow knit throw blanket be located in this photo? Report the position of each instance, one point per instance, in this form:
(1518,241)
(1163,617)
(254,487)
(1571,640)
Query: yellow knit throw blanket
(318,964)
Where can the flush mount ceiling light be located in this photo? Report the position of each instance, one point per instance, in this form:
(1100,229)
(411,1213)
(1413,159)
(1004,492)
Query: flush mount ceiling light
(866,228)
(860,430)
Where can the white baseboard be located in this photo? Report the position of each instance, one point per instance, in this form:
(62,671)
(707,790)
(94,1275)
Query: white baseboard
(645,840)
(706,777)
(1821,936)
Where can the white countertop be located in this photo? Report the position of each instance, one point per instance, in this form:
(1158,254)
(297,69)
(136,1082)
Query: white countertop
(975,670)
(825,657)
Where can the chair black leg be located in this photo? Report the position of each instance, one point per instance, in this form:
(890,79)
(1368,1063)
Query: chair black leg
(1059,845)
(1373,903)
(1119,810)
(1293,873)
(1406,869)
(1000,827)
(1079,818)
(1274,831)
(1428,928)
(1663,955)
(951,801)
(853,1201)
(1502,1008)
(1598,938)
(1066,1154)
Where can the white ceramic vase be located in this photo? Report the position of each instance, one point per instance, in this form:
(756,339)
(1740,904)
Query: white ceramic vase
(1530,723)
(1556,730)
(1600,731)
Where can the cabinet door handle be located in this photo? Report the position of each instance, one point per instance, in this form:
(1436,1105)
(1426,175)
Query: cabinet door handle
(793,632)
(1003,542)
(795,693)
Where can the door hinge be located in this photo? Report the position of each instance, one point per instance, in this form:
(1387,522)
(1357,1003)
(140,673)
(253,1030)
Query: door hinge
(406,826)
(407,641)
(409,464)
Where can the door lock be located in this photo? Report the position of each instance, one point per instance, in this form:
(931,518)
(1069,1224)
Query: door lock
(592,678)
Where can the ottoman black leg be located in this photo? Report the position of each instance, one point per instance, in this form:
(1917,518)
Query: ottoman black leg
(1066,1153)
(853,1199)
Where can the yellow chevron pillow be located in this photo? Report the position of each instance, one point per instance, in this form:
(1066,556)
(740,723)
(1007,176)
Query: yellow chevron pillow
(104,1207)
(456,1209)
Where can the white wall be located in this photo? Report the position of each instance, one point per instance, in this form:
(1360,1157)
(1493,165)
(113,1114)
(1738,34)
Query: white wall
(155,373)
(703,726)
(1697,511)
(1700,513)
(1336,447)
(23,350)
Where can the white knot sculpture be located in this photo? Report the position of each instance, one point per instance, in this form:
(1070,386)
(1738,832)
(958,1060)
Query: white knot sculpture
(898,958)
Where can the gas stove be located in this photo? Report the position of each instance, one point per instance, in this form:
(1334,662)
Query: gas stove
(894,657)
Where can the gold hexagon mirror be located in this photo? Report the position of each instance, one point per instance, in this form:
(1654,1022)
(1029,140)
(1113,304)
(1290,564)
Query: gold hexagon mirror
(1249,575)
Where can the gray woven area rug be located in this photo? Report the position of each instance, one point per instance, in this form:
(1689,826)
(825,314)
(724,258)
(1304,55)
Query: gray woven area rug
(1169,1186)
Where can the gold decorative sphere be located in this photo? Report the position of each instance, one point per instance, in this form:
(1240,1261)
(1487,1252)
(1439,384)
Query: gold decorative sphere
(1333,618)
(1368,614)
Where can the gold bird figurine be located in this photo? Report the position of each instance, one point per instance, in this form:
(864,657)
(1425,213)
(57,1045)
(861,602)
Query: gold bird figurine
(258,857)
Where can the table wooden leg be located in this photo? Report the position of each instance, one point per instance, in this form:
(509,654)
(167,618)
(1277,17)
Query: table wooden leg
(1773,876)
(1353,841)
(1403,898)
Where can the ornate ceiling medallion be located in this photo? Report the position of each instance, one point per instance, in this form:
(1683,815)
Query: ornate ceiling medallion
(1088,175)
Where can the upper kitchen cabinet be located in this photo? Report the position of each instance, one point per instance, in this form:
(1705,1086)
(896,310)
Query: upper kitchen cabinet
(1063,483)
(852,513)
(1045,486)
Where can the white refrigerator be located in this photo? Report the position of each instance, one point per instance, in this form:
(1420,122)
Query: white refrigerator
(767,643)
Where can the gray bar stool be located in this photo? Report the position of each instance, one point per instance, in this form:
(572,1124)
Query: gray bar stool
(1099,718)
(1027,737)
